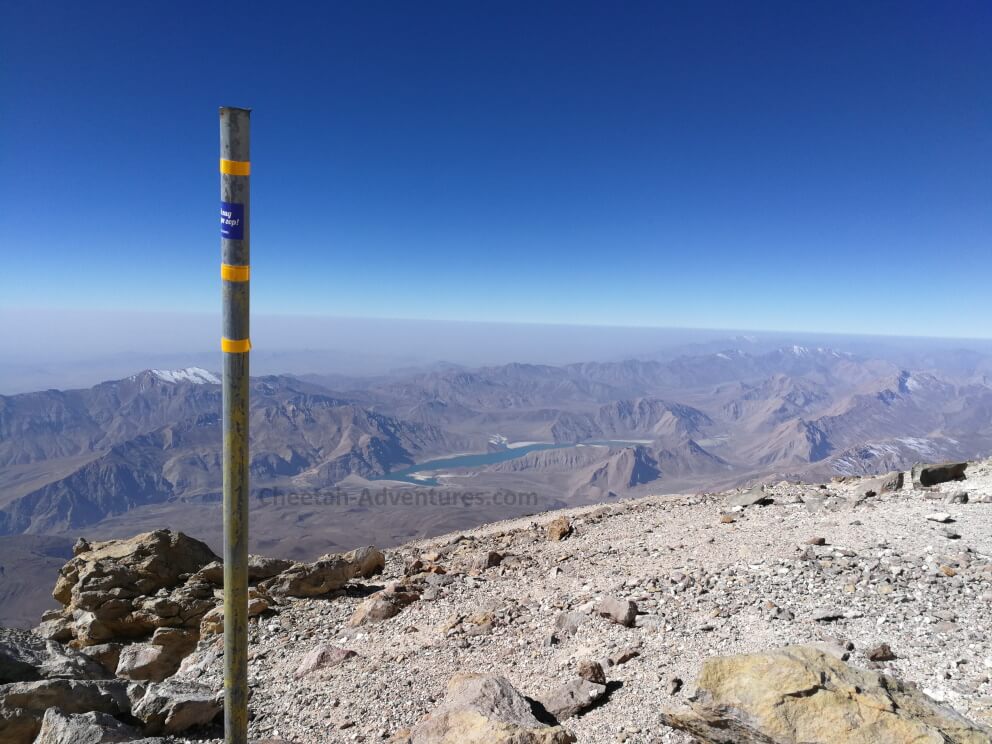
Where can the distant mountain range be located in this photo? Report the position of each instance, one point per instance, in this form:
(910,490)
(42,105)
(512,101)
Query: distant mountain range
(147,448)
(70,459)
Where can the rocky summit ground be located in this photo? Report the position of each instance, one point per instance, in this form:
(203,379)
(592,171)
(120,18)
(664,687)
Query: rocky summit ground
(606,617)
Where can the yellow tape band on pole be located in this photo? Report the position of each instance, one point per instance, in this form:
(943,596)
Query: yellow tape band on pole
(235,346)
(235,167)
(231,273)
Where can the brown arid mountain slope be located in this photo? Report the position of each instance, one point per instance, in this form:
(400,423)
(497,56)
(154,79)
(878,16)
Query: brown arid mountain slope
(143,452)
(774,400)
(845,612)
(155,438)
(652,418)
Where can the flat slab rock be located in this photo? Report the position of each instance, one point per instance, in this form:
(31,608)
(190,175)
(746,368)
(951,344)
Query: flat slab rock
(171,707)
(750,497)
(931,475)
(800,694)
(23,704)
(25,657)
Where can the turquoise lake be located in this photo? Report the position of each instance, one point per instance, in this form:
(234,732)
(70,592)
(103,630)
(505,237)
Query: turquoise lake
(407,475)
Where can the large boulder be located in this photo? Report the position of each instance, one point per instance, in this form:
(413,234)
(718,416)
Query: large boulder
(126,589)
(83,728)
(326,574)
(23,704)
(171,707)
(931,475)
(137,566)
(136,608)
(485,709)
(801,694)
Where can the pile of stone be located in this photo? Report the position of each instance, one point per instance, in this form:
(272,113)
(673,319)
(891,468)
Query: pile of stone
(133,611)
(54,694)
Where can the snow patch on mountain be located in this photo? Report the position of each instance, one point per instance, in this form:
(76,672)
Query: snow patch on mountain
(196,375)
(893,454)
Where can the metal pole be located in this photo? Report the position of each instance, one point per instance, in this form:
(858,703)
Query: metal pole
(235,219)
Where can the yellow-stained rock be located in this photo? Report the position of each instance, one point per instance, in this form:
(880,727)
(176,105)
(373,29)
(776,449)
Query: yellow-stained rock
(800,695)
(213,621)
(559,528)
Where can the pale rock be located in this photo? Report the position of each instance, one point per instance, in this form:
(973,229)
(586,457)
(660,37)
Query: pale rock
(107,655)
(619,611)
(260,567)
(568,623)
(142,564)
(157,659)
(83,728)
(23,704)
(171,707)
(125,589)
(485,709)
(751,497)
(321,657)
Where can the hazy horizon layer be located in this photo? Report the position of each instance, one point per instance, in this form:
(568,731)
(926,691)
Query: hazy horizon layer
(46,349)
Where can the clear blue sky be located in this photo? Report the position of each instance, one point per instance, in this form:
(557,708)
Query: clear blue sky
(769,165)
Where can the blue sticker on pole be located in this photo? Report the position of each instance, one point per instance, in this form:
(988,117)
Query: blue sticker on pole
(232,221)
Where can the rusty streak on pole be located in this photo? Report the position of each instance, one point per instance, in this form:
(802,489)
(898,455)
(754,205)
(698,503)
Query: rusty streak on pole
(235,220)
